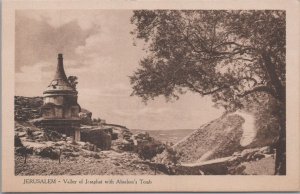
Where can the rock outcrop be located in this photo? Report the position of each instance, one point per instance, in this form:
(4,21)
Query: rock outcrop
(101,137)
(27,108)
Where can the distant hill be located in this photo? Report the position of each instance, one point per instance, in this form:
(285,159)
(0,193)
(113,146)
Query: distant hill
(168,135)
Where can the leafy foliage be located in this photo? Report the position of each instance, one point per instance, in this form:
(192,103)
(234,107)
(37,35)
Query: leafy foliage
(225,54)
(73,81)
(235,56)
(267,122)
(173,156)
(150,149)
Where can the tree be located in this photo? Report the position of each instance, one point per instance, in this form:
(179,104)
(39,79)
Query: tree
(73,81)
(236,57)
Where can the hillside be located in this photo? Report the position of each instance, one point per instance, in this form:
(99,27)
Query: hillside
(216,139)
(223,137)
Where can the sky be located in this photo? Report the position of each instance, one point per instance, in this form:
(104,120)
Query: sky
(98,48)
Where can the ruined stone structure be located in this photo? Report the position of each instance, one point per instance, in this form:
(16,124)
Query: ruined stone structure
(60,110)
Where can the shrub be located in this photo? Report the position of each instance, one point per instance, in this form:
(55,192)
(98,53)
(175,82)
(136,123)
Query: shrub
(49,152)
(173,156)
(150,149)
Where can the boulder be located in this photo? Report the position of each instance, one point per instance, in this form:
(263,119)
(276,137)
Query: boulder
(97,137)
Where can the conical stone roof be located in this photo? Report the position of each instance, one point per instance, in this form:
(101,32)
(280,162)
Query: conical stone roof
(60,82)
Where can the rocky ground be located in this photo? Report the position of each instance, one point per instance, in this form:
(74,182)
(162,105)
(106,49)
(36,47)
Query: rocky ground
(27,108)
(108,163)
(65,157)
(255,161)
(52,155)
(220,147)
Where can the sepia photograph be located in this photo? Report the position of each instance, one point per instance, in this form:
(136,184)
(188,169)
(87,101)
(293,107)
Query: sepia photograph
(174,92)
(104,96)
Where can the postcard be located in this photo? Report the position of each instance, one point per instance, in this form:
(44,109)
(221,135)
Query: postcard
(141,96)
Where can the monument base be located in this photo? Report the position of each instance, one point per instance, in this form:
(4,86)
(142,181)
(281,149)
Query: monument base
(71,128)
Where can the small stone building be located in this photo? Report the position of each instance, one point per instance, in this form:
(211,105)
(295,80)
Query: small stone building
(60,110)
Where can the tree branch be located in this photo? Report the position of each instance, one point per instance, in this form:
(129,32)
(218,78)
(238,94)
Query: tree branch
(244,59)
(265,89)
(228,43)
(203,93)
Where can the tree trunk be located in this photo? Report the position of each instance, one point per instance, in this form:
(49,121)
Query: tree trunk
(280,89)
(280,160)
